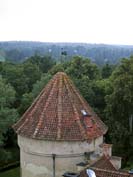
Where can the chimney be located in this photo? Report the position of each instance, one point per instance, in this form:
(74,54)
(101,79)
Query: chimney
(107,149)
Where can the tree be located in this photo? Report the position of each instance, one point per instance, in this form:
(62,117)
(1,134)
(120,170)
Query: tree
(31,74)
(13,73)
(121,99)
(28,98)
(57,68)
(8,115)
(107,70)
(101,88)
(120,106)
(79,66)
(21,77)
(45,63)
(85,86)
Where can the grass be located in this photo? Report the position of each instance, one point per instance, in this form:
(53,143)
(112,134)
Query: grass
(11,173)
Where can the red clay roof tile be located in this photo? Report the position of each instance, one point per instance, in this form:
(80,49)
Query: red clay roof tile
(104,168)
(104,163)
(106,173)
(56,114)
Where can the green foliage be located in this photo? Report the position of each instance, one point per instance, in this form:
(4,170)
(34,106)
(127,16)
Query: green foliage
(26,101)
(121,99)
(119,106)
(7,93)
(80,66)
(28,98)
(44,63)
(39,85)
(8,115)
(85,87)
(32,73)
(59,67)
(14,75)
(4,156)
(21,77)
(107,70)
(100,89)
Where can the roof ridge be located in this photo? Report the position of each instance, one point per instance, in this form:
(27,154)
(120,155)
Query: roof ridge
(66,80)
(59,107)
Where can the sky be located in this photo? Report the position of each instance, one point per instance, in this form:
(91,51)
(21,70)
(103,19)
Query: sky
(87,21)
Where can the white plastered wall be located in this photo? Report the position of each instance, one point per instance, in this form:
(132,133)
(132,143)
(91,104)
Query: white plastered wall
(36,155)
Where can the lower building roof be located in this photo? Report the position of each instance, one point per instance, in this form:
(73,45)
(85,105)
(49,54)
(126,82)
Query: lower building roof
(106,173)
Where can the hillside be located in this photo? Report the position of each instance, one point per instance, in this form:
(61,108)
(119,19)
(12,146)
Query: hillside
(18,51)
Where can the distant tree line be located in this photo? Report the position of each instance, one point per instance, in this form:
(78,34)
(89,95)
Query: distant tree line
(98,53)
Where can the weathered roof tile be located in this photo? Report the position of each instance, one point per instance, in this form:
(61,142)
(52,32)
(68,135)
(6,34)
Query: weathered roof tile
(104,163)
(106,173)
(56,114)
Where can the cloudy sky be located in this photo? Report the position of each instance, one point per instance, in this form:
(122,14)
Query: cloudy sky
(91,21)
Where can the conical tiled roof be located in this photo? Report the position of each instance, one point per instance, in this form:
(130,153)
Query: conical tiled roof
(60,113)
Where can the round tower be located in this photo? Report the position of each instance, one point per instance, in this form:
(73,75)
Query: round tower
(56,130)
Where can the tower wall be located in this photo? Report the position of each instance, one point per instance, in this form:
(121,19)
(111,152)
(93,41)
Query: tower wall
(37,159)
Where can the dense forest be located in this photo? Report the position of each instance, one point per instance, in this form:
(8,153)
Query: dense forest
(98,53)
(107,88)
